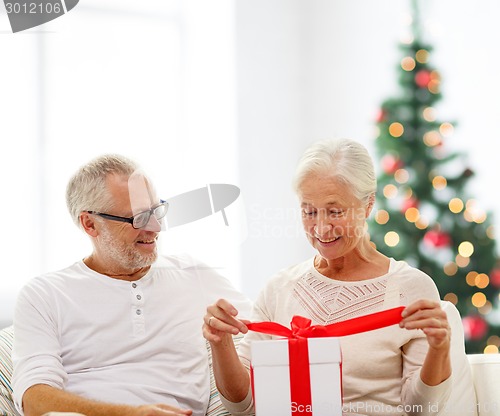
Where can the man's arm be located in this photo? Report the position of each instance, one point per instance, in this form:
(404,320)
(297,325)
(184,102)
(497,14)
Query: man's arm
(41,398)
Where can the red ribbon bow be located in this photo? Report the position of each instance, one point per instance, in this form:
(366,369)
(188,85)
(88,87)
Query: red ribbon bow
(301,329)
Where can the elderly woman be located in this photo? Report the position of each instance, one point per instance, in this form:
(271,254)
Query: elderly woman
(388,368)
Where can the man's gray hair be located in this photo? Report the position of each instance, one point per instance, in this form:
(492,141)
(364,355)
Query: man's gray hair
(86,190)
(342,158)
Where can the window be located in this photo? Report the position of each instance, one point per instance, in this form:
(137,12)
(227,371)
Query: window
(150,80)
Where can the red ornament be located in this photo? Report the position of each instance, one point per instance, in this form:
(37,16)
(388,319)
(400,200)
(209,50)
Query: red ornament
(437,239)
(391,164)
(495,277)
(422,78)
(381,115)
(475,327)
(409,203)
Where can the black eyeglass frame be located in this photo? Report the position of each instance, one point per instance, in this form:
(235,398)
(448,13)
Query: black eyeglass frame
(130,220)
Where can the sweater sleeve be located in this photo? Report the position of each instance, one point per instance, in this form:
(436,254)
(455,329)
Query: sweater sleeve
(421,399)
(245,407)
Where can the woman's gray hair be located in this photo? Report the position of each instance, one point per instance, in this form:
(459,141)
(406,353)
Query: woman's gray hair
(87,191)
(342,158)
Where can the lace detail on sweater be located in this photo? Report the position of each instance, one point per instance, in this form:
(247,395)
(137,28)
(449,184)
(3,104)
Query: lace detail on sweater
(329,302)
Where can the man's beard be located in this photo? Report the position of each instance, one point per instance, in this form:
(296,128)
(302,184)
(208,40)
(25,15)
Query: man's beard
(125,255)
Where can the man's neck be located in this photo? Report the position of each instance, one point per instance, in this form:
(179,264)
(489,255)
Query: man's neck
(116,273)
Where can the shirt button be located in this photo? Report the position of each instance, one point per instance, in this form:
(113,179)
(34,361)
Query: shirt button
(134,285)
(138,311)
(138,297)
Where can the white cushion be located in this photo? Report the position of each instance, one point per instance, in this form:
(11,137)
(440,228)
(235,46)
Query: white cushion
(486,373)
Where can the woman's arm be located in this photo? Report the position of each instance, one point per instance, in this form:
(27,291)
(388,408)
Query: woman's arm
(231,376)
(428,316)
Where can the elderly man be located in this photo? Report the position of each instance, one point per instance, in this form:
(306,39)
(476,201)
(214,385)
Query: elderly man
(118,332)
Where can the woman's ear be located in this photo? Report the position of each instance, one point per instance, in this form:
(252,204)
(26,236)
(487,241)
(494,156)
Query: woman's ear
(369,206)
(88,224)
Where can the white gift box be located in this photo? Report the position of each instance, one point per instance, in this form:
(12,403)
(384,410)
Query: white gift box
(271,378)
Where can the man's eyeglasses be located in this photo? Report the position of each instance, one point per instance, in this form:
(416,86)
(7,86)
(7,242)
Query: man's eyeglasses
(141,219)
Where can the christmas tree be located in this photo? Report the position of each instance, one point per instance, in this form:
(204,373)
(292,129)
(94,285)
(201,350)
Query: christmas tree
(423,213)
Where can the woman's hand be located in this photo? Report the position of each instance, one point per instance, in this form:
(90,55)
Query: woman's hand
(428,316)
(219,325)
(220,319)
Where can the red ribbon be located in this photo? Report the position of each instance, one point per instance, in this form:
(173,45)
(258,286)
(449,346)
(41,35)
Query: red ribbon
(301,329)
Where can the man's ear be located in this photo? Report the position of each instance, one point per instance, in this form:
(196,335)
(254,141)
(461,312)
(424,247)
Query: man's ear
(88,224)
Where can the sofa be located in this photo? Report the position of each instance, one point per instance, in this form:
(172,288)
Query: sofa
(476,387)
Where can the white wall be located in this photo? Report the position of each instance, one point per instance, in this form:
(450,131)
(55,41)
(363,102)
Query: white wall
(153,80)
(314,69)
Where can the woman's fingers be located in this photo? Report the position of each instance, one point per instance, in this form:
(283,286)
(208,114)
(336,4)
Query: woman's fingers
(421,305)
(428,316)
(221,319)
